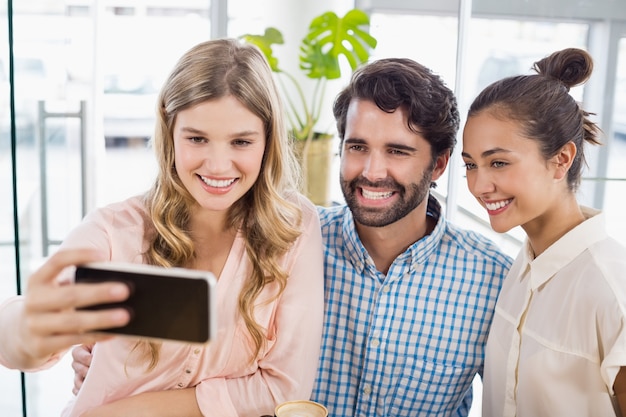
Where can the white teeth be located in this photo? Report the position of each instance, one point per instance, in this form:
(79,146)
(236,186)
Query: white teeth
(498,205)
(376,195)
(216,183)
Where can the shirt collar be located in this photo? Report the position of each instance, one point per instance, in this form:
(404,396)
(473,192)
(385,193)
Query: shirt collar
(417,253)
(564,250)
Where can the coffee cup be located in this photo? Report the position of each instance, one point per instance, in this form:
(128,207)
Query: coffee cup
(301,409)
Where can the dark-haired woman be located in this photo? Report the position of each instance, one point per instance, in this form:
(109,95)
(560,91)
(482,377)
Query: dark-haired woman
(557,344)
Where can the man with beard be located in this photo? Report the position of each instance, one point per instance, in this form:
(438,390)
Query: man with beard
(409,297)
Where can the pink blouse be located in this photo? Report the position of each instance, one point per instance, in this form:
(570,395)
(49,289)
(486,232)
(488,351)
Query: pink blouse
(227,383)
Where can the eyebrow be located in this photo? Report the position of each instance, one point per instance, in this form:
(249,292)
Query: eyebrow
(487,153)
(191,130)
(243,133)
(388,145)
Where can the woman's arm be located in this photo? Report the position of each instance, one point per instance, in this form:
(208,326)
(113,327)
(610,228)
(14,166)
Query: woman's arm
(173,403)
(46,322)
(619,387)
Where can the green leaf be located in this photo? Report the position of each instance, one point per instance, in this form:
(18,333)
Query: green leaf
(318,64)
(329,37)
(264,43)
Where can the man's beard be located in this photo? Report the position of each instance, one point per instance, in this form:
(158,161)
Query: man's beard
(410,197)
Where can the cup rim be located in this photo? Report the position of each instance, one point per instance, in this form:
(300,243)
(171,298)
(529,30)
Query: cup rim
(308,402)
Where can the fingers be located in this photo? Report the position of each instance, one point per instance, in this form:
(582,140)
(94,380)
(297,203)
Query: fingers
(52,319)
(81,356)
(75,322)
(40,297)
(61,260)
(77,384)
(52,308)
(69,296)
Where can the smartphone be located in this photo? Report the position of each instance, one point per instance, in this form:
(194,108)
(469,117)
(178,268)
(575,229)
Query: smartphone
(164,303)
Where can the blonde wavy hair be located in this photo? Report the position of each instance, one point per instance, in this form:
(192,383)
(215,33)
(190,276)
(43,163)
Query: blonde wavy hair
(268,221)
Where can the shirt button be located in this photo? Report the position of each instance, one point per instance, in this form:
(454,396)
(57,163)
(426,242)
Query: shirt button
(367,389)
(386,288)
(196,351)
(187,371)
(180,385)
(375,342)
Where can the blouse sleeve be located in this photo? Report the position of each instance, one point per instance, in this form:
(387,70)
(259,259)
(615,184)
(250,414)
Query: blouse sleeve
(287,371)
(115,231)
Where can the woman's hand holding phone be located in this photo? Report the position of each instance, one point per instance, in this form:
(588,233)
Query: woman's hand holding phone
(50,319)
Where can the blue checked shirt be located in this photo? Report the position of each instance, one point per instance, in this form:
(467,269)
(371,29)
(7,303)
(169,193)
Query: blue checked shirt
(408,343)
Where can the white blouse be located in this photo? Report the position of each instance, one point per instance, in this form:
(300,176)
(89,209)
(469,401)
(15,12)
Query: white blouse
(558,336)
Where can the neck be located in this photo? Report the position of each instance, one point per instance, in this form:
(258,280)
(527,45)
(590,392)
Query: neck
(385,244)
(544,231)
(212,240)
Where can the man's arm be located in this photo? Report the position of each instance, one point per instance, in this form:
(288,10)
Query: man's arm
(81,361)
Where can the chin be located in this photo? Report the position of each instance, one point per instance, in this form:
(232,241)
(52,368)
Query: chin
(500,228)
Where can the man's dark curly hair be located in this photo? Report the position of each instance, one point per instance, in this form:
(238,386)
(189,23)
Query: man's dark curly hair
(401,82)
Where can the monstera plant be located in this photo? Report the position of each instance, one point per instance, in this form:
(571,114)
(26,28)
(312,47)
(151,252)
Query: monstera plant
(329,37)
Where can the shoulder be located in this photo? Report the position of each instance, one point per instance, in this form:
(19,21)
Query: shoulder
(307,209)
(117,230)
(597,256)
(598,277)
(332,216)
(130,212)
(475,246)
(609,259)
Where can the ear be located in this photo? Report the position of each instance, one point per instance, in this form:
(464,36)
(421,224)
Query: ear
(440,165)
(564,160)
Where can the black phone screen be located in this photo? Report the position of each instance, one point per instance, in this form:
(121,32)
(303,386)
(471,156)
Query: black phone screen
(165,303)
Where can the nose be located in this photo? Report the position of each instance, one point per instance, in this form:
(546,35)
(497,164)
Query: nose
(480,182)
(217,159)
(375,167)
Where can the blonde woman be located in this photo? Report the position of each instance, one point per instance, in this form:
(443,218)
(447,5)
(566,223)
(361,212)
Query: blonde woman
(223,201)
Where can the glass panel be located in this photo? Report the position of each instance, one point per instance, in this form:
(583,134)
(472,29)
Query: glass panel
(401,35)
(615,194)
(47,137)
(10,400)
(498,48)
(246,16)
(47,118)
